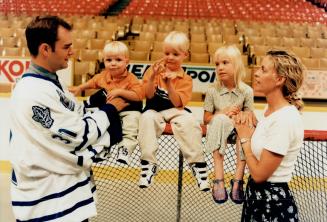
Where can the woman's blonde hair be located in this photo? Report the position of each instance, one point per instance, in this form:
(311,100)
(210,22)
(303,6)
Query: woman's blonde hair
(177,40)
(234,54)
(289,66)
(116,48)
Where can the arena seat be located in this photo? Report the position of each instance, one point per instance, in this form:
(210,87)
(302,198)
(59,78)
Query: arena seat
(79,43)
(216,38)
(318,53)
(157,46)
(290,41)
(139,55)
(311,63)
(321,43)
(7,32)
(89,55)
(96,44)
(8,42)
(306,42)
(303,52)
(10,51)
(140,45)
(160,36)
(323,63)
(82,69)
(198,47)
(199,57)
(147,36)
(154,56)
(273,41)
(213,46)
(106,34)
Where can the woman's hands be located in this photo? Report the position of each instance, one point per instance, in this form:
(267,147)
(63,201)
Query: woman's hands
(245,123)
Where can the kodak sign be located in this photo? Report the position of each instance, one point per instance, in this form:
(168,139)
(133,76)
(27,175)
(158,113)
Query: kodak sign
(11,69)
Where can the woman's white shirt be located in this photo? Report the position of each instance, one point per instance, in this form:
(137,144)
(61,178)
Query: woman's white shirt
(282,133)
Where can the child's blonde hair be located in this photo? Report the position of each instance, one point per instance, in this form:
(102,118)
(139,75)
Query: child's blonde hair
(234,54)
(177,40)
(116,48)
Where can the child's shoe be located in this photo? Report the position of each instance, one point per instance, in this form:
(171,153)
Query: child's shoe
(219,195)
(148,170)
(237,196)
(201,174)
(123,156)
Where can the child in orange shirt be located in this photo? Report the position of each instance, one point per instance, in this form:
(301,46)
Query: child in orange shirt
(121,86)
(168,89)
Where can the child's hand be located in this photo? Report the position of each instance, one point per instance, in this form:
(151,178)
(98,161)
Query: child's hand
(169,75)
(76,90)
(234,110)
(229,111)
(158,67)
(117,102)
(114,94)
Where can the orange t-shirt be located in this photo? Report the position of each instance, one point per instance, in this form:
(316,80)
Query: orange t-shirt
(126,81)
(182,83)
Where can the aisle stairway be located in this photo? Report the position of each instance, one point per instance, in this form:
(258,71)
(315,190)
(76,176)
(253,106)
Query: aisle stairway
(117,7)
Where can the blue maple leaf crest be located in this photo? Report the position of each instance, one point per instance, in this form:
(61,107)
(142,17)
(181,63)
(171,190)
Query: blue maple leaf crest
(42,116)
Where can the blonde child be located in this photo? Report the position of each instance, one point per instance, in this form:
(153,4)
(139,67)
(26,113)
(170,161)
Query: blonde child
(123,85)
(168,89)
(229,97)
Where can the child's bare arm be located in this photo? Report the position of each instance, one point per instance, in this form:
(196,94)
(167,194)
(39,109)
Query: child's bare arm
(76,90)
(207,116)
(123,93)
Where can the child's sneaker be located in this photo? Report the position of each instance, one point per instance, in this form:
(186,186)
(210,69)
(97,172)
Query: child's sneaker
(148,170)
(123,156)
(201,174)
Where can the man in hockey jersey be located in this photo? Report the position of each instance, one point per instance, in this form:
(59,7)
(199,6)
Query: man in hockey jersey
(53,139)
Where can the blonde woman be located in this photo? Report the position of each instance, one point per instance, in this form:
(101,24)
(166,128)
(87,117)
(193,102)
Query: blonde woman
(272,148)
(227,98)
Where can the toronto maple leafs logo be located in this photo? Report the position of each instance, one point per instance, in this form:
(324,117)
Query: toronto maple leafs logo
(42,116)
(65,101)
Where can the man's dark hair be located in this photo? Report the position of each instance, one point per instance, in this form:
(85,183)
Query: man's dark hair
(44,29)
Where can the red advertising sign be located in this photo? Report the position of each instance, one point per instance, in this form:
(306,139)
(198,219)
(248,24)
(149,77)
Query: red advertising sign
(11,69)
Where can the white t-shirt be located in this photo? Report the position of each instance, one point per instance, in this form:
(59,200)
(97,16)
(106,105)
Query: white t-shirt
(281,132)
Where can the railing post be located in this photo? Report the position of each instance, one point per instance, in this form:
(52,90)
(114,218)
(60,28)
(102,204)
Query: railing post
(179,186)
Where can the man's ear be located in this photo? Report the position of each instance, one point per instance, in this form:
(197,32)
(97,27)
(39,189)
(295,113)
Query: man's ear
(44,49)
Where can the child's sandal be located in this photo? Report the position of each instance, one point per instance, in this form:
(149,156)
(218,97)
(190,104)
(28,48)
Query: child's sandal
(216,193)
(237,196)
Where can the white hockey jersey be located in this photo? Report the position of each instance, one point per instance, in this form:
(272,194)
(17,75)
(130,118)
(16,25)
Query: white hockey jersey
(53,143)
